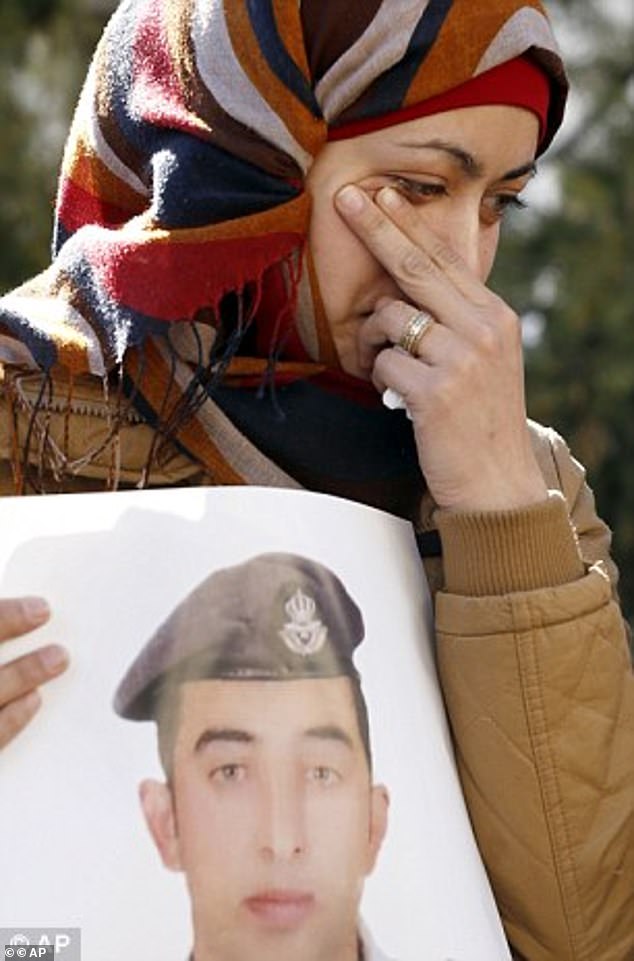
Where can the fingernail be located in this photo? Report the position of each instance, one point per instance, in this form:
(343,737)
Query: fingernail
(350,199)
(36,609)
(388,197)
(54,658)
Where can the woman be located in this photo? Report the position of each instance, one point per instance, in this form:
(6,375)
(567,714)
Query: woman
(269,215)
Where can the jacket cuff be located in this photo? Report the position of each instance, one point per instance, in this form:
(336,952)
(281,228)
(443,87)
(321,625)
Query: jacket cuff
(487,553)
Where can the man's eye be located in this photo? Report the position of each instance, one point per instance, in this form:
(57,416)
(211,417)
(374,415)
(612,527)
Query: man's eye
(321,774)
(228,773)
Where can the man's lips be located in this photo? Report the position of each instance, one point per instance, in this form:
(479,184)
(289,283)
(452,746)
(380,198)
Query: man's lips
(281,908)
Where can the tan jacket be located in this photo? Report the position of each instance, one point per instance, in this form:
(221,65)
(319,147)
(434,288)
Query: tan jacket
(537,680)
(536,675)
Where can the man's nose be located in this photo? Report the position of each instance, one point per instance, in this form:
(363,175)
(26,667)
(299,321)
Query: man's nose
(282,818)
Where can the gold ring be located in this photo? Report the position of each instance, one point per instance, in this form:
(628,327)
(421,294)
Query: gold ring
(415,329)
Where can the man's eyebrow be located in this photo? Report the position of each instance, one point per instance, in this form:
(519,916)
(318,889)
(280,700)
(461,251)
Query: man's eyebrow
(330,732)
(472,167)
(226,734)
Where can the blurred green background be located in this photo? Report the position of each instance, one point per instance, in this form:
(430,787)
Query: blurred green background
(566,263)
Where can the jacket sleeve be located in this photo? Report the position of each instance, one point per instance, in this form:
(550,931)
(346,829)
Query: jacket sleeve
(536,673)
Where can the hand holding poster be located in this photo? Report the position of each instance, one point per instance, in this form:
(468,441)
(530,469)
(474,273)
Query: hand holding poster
(266,623)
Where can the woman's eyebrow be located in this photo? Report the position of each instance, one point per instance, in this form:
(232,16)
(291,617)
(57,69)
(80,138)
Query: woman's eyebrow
(468,163)
(466,160)
(527,168)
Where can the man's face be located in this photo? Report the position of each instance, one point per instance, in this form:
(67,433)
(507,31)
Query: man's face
(272,818)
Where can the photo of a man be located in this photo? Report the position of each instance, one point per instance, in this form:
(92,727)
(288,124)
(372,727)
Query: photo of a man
(268,807)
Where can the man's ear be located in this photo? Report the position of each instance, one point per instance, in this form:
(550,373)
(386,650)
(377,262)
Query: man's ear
(379,805)
(158,807)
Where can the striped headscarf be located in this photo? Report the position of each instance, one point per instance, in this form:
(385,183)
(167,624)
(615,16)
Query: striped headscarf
(181,201)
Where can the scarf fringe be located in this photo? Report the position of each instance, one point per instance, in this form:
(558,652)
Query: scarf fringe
(172,410)
(41,457)
(144,389)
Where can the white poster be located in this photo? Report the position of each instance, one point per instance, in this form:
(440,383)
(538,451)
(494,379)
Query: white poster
(78,848)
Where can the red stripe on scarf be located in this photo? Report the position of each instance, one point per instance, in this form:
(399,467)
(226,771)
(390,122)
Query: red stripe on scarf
(158,92)
(520,82)
(179,278)
(78,207)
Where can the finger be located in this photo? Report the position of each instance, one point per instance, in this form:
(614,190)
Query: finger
(407,218)
(386,326)
(16,715)
(382,329)
(419,278)
(19,615)
(30,671)
(407,375)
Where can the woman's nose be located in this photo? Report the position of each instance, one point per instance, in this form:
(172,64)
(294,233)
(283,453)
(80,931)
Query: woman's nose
(461,230)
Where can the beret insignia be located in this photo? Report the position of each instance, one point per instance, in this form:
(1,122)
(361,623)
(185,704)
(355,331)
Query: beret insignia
(303,633)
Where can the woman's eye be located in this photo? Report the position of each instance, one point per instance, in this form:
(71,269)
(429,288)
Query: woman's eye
(499,204)
(414,189)
(228,773)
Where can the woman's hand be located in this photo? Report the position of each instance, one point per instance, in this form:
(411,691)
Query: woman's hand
(21,678)
(464,389)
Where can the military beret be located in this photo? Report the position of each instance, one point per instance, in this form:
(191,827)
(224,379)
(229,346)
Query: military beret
(274,617)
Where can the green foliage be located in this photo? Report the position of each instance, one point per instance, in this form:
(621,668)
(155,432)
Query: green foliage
(44,48)
(573,267)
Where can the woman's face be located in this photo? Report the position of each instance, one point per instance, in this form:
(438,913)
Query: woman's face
(461,170)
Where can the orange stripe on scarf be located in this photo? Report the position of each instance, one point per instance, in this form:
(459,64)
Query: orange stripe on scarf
(309,131)
(463,40)
(150,374)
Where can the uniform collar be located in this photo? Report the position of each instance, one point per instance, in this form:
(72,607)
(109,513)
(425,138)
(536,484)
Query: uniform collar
(368,950)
